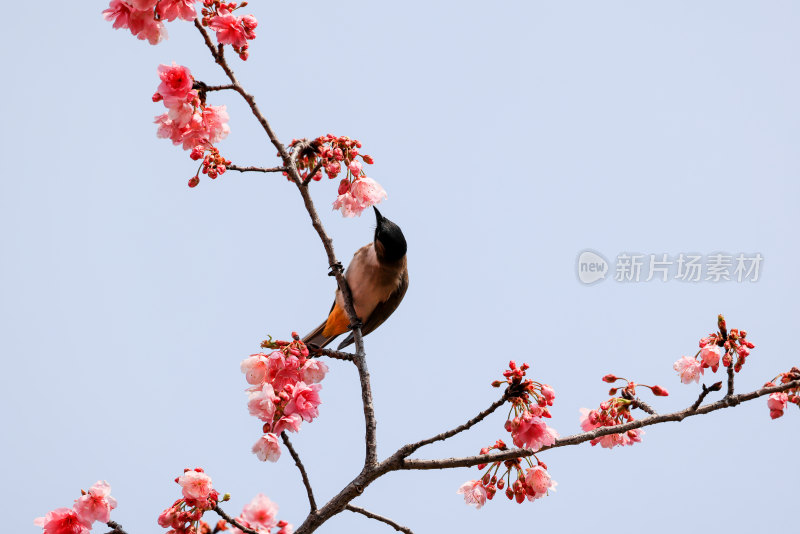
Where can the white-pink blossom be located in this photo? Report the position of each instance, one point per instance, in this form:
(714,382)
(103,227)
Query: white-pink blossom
(96,504)
(539,481)
(689,369)
(267,448)
(261,402)
(474,493)
(255,368)
(261,513)
(195,484)
(363,193)
(314,371)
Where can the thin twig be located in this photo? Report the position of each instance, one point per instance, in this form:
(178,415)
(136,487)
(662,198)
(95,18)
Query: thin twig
(234,522)
(330,353)
(302,469)
(312,173)
(256,169)
(706,390)
(409,449)
(377,517)
(725,402)
(217,87)
(730,381)
(642,405)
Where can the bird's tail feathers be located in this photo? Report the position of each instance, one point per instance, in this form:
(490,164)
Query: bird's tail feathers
(316,337)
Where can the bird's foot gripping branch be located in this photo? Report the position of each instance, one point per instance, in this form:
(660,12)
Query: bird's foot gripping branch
(284,384)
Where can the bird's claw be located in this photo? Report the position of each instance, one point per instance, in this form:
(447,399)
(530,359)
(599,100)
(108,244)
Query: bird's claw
(336,267)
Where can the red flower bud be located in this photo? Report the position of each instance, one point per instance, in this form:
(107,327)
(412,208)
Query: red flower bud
(658,391)
(609,378)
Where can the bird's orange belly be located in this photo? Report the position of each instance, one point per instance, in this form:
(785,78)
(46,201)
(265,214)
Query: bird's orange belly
(337,322)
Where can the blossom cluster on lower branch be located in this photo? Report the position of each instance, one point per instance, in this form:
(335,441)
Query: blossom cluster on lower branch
(284,391)
(529,407)
(199,496)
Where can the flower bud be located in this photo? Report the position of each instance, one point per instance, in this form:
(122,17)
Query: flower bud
(609,378)
(658,391)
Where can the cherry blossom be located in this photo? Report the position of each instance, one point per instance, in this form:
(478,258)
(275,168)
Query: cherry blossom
(233,30)
(710,355)
(261,402)
(539,482)
(689,369)
(267,448)
(314,371)
(196,485)
(533,433)
(63,521)
(176,84)
(173,9)
(255,368)
(305,401)
(777,404)
(361,194)
(260,512)
(96,504)
(474,493)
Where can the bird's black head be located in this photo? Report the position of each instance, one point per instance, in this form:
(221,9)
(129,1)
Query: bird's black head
(390,244)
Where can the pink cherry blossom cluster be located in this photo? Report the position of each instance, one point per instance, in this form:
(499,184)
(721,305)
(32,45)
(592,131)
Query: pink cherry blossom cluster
(777,402)
(93,505)
(260,514)
(189,121)
(532,483)
(284,391)
(529,400)
(183,517)
(145,19)
(230,29)
(719,346)
(617,411)
(333,154)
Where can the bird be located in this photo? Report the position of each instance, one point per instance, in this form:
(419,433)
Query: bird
(378,279)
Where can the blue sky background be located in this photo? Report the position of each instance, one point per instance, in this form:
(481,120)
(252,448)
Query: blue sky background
(509,138)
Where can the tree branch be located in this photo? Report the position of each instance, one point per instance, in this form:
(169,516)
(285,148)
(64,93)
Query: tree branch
(335,354)
(642,405)
(312,173)
(730,381)
(370,460)
(726,402)
(409,449)
(234,522)
(302,469)
(256,169)
(357,510)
